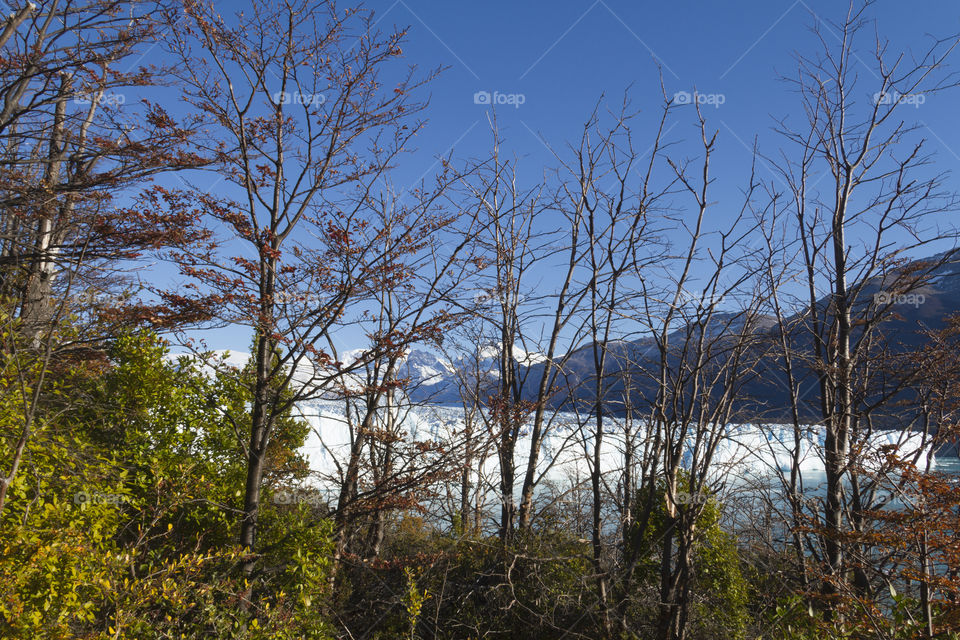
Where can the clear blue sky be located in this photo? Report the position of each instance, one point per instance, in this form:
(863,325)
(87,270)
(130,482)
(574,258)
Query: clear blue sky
(561,55)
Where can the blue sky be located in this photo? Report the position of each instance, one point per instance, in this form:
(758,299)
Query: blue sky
(561,56)
(549,62)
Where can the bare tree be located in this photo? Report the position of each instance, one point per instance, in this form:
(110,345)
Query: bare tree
(414,300)
(303,127)
(701,358)
(512,247)
(859,199)
(598,195)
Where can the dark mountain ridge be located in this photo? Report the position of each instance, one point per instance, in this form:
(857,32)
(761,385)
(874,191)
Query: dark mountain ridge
(912,299)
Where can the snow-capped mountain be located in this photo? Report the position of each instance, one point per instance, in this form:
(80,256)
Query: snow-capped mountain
(426,368)
(433,379)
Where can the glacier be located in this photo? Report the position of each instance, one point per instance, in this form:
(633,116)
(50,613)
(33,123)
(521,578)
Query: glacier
(745,453)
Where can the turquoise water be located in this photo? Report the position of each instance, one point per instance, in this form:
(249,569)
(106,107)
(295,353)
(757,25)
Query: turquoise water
(815,480)
(948,465)
(745,502)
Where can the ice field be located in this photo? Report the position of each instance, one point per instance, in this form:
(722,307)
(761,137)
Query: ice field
(746,451)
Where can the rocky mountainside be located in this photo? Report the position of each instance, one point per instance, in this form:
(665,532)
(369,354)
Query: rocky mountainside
(765,395)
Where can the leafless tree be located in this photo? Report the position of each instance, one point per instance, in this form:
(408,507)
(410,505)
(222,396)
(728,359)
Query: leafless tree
(704,327)
(527,320)
(303,126)
(414,299)
(615,218)
(855,198)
